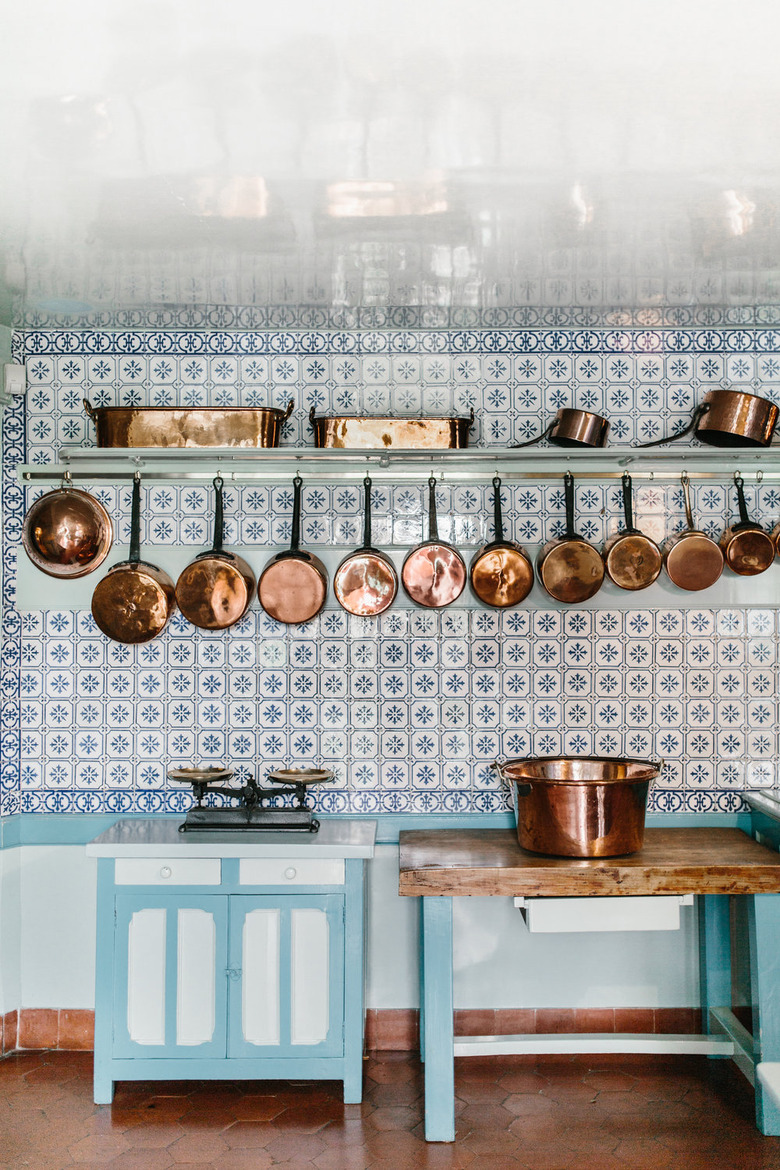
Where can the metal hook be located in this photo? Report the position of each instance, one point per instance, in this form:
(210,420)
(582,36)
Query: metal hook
(759,477)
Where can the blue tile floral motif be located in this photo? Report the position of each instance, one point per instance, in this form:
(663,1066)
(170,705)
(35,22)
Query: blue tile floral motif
(411,709)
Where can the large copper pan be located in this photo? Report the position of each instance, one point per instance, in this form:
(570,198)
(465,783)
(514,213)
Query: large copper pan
(632,560)
(293,585)
(204,426)
(134,600)
(366,582)
(580,806)
(747,548)
(357,432)
(569,568)
(215,590)
(572,428)
(67,533)
(729,418)
(500,572)
(434,573)
(692,559)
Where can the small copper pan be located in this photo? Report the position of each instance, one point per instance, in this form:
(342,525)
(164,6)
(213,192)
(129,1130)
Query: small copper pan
(134,600)
(293,585)
(573,428)
(500,572)
(569,568)
(434,573)
(67,533)
(214,592)
(729,418)
(632,560)
(747,548)
(692,559)
(366,582)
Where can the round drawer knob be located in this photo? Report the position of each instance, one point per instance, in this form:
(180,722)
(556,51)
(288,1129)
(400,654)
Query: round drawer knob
(290,872)
(165,871)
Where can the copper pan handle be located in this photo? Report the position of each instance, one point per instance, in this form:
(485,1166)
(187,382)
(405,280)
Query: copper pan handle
(289,409)
(685,481)
(91,413)
(696,418)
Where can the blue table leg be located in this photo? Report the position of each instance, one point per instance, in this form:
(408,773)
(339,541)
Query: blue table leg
(438,1030)
(764,933)
(714,954)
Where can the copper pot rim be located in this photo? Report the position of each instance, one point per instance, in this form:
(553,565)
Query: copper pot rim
(68,571)
(521,769)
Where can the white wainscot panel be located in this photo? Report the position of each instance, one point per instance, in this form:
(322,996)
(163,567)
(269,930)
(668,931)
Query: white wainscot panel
(310,985)
(260,992)
(195,980)
(146,977)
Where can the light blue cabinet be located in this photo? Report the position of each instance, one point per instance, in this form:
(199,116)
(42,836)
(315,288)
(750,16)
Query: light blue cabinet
(223,961)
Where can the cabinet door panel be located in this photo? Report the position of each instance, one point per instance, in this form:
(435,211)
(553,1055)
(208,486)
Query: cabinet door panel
(260,968)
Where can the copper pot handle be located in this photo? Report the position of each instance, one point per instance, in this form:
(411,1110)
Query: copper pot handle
(530,442)
(433,527)
(744,519)
(289,410)
(135,522)
(219,517)
(367,512)
(90,410)
(628,503)
(696,418)
(685,481)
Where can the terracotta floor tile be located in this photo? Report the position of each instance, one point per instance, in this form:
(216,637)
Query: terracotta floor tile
(142,1160)
(258,1108)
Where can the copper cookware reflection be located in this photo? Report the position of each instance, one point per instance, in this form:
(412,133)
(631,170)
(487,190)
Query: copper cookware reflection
(353,432)
(569,568)
(632,560)
(729,418)
(293,585)
(214,592)
(134,600)
(580,806)
(500,572)
(692,559)
(434,573)
(169,426)
(747,548)
(572,428)
(67,533)
(366,582)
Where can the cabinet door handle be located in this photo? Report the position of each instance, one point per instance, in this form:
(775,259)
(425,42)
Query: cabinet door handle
(290,872)
(233,973)
(165,871)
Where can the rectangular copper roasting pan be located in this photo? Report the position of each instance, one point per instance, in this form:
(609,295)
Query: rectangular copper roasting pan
(354,432)
(206,426)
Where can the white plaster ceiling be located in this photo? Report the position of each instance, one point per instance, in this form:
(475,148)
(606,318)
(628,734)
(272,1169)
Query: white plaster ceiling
(350,153)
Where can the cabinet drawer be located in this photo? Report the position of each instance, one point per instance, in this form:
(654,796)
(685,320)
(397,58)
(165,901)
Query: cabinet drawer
(291,871)
(161,871)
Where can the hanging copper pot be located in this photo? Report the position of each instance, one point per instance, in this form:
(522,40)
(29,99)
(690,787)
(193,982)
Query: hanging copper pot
(366,583)
(215,590)
(632,560)
(134,600)
(692,559)
(293,585)
(569,568)
(729,418)
(500,572)
(747,548)
(67,533)
(434,573)
(572,428)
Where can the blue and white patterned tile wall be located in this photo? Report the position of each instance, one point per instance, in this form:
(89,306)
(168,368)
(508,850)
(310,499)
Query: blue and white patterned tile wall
(408,709)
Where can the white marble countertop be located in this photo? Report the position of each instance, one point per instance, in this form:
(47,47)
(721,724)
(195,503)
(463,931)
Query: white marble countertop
(160,837)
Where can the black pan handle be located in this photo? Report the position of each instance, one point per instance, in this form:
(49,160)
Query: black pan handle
(219,516)
(744,519)
(135,521)
(433,527)
(628,504)
(295,537)
(367,512)
(568,490)
(498,522)
(696,418)
(530,442)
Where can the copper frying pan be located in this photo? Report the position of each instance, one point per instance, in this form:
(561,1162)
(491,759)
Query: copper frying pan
(366,582)
(293,585)
(747,548)
(67,533)
(434,573)
(632,560)
(572,428)
(500,572)
(692,559)
(134,600)
(569,568)
(729,418)
(214,592)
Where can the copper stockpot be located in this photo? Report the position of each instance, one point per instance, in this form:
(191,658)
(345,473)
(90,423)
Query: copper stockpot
(580,806)
(692,559)
(569,568)
(729,418)
(632,560)
(204,426)
(134,600)
(366,583)
(365,433)
(67,533)
(572,428)
(434,573)
(215,591)
(747,548)
(500,572)
(293,585)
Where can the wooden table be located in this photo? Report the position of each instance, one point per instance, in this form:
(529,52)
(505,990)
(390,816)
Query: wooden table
(713,864)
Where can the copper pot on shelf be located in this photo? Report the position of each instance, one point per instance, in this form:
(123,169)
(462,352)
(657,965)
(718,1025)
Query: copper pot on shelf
(197,426)
(67,533)
(569,567)
(293,586)
(500,572)
(747,548)
(366,583)
(572,428)
(216,589)
(632,560)
(729,418)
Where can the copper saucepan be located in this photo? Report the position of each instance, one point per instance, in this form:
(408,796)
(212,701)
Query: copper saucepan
(134,600)
(569,568)
(747,548)
(215,591)
(729,418)
(632,560)
(500,572)
(434,573)
(692,559)
(366,583)
(572,428)
(67,533)
(293,585)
